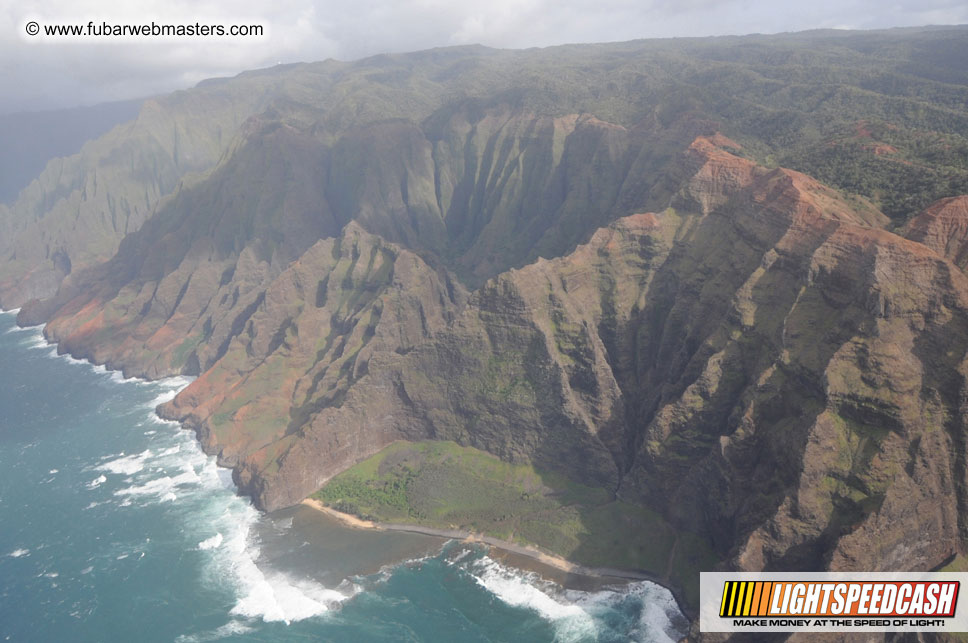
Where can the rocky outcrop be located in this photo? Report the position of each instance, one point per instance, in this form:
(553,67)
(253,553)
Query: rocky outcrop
(306,371)
(943,227)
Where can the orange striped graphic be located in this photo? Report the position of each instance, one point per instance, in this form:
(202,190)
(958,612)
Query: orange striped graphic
(746,598)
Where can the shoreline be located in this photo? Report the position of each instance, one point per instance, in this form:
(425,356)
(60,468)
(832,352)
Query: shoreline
(553,561)
(531,552)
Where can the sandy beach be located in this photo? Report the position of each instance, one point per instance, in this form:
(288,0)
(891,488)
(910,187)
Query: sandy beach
(543,557)
(347,519)
(545,564)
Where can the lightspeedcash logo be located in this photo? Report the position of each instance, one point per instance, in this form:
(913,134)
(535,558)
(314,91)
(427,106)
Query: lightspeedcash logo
(831,602)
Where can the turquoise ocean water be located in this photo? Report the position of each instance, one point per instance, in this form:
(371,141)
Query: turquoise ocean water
(114,526)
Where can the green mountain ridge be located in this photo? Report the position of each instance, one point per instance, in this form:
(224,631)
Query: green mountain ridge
(783,97)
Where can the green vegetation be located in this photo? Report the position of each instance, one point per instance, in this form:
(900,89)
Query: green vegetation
(444,485)
(904,170)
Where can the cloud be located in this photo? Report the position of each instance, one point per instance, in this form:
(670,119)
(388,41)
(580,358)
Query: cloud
(40,72)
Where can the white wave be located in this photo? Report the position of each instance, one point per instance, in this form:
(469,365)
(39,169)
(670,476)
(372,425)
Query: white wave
(52,471)
(36,341)
(18,553)
(38,329)
(170,387)
(660,618)
(261,593)
(578,615)
(51,574)
(176,470)
(154,419)
(87,570)
(211,543)
(232,628)
(225,478)
(277,597)
(176,382)
(169,451)
(459,557)
(99,369)
(161,398)
(520,589)
(162,487)
(118,377)
(126,465)
(12,311)
(97,482)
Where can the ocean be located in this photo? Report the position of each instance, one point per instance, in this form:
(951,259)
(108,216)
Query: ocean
(114,526)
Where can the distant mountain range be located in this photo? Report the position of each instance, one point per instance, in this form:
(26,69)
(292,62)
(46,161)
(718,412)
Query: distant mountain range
(30,139)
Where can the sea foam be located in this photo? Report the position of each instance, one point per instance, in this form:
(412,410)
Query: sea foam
(161,487)
(97,482)
(211,543)
(579,615)
(37,340)
(230,629)
(521,589)
(195,485)
(126,465)
(266,594)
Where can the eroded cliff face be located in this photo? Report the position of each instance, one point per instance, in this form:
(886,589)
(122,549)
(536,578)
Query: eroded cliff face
(307,355)
(472,196)
(799,377)
(761,361)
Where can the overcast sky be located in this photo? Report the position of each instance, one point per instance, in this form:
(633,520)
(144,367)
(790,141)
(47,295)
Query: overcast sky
(41,72)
